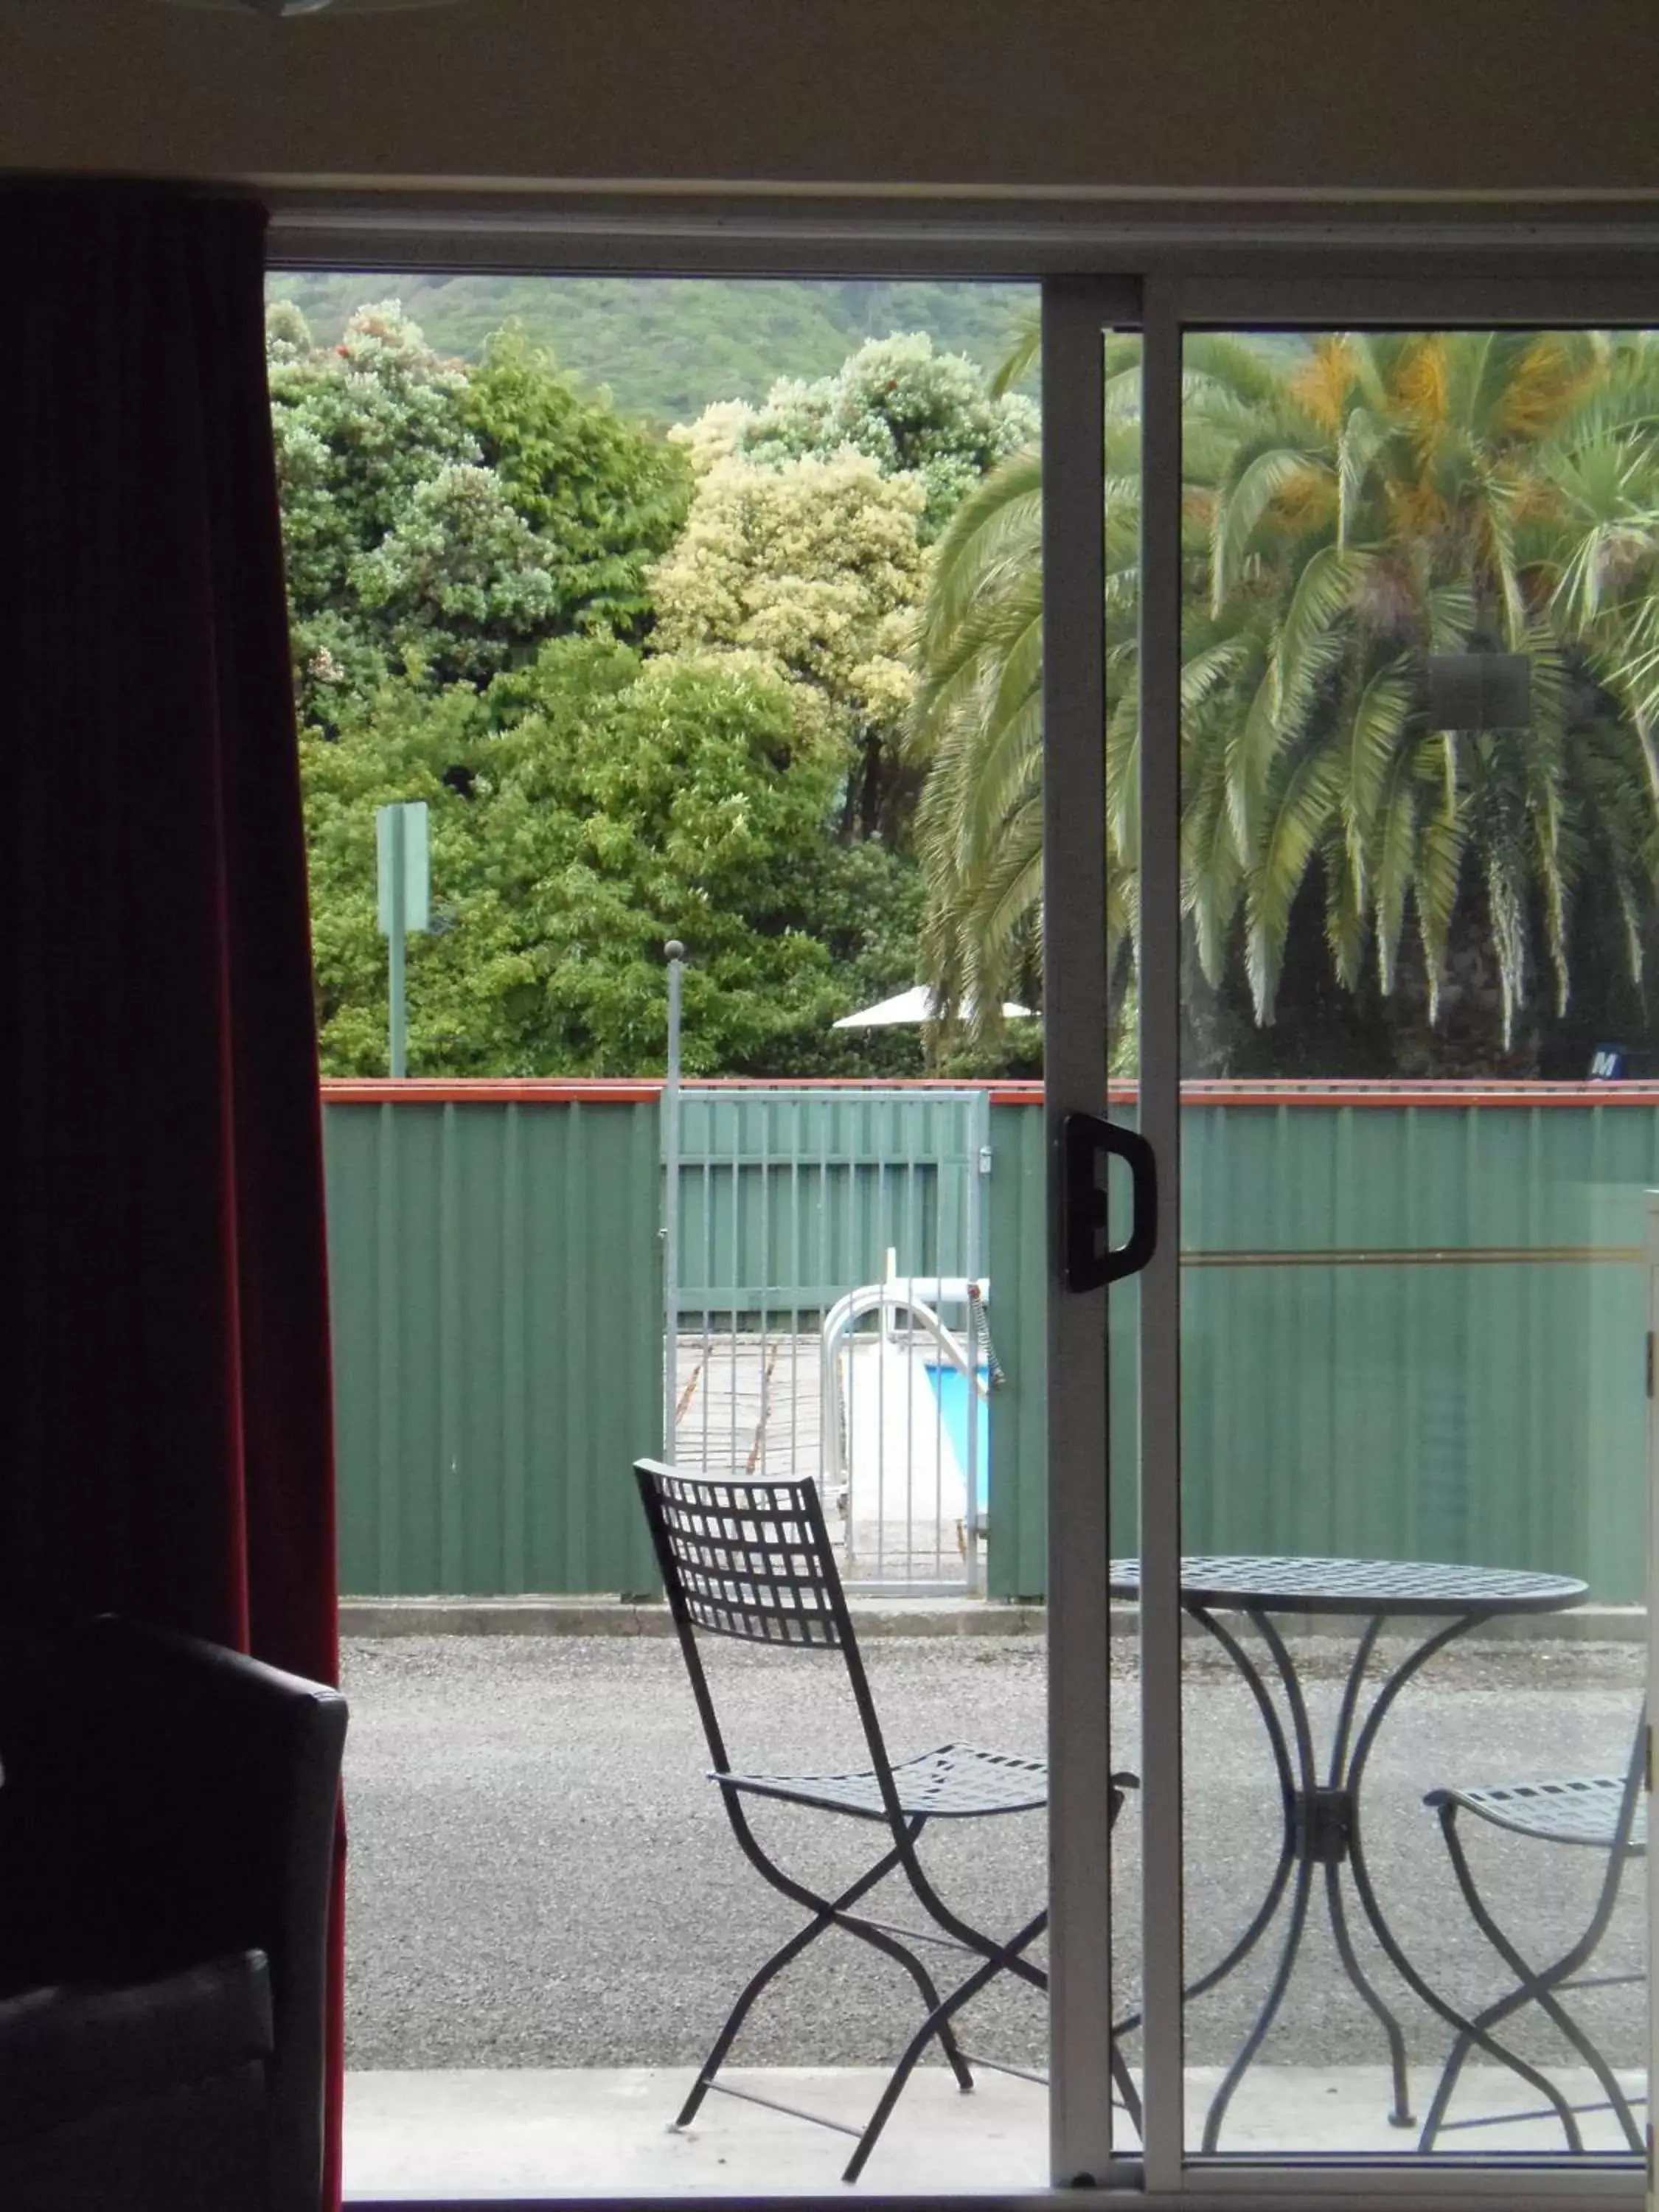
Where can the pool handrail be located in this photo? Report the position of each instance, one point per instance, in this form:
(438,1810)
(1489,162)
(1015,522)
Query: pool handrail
(899,1293)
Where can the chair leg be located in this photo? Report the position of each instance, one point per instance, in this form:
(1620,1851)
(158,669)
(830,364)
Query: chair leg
(739,2012)
(882,1939)
(995,1958)
(824,1917)
(827,1912)
(1540,1987)
(1128,2094)
(1005,1956)
(1477,2032)
(1536,1987)
(1635,2138)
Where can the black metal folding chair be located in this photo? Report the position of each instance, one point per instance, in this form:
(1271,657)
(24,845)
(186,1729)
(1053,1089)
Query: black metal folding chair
(753,1560)
(1605,1813)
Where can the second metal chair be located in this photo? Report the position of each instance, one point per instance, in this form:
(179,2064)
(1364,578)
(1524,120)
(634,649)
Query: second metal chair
(1605,1813)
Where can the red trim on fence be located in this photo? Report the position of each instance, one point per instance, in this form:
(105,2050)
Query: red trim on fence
(485,1090)
(1218,1092)
(613,1090)
(616,1090)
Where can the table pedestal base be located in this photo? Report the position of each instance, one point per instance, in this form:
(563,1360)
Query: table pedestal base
(1322,1829)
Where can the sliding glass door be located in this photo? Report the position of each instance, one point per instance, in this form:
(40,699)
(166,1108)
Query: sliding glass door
(1353,817)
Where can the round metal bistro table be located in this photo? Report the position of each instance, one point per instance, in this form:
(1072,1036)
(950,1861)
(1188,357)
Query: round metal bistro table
(1322,1829)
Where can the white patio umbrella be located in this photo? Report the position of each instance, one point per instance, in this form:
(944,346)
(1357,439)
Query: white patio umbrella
(915,1004)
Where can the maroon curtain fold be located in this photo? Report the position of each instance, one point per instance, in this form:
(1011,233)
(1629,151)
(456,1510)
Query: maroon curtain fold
(166,1402)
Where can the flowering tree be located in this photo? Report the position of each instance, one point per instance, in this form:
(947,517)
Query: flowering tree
(912,411)
(358,429)
(440,521)
(812,569)
(460,586)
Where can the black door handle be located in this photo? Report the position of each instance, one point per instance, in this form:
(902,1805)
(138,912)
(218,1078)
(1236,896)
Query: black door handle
(1087,1260)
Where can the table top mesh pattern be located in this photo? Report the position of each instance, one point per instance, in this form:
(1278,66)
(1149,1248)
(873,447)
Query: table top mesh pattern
(1267,1585)
(954,1781)
(1584,1810)
(751,1559)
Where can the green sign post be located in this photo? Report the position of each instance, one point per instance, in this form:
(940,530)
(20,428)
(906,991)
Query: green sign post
(406,883)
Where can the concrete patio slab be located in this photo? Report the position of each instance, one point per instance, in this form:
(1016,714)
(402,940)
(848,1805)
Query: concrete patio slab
(605,2132)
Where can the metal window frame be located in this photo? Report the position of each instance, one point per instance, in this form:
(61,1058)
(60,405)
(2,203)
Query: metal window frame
(1023,234)
(1074,315)
(1282,261)
(1164,2092)
(1652,1241)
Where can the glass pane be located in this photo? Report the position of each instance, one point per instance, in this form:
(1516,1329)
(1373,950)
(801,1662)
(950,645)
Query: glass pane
(1419,822)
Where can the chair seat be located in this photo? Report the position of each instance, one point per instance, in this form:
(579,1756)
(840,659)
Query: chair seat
(1578,1810)
(954,1781)
(68,2052)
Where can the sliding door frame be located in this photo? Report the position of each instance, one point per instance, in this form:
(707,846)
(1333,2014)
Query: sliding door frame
(1175,302)
(1164,270)
(1075,314)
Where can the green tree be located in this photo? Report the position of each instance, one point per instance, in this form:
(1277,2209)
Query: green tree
(459,589)
(585,808)
(604,496)
(359,428)
(441,523)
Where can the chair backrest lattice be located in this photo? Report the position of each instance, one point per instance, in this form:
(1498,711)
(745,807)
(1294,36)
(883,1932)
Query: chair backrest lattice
(746,1560)
(753,1560)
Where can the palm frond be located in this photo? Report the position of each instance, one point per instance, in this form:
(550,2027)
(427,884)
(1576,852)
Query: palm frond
(1362,438)
(1021,358)
(1265,477)
(1437,882)
(1296,832)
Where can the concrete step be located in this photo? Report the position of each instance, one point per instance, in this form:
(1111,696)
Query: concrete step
(434,2136)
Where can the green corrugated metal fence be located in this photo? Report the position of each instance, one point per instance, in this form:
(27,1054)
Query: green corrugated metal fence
(497,1290)
(1419,1332)
(1409,1330)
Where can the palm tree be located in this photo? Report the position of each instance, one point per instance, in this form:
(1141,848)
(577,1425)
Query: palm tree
(1349,508)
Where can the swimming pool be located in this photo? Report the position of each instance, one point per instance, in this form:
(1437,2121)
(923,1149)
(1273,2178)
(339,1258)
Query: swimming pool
(950,1388)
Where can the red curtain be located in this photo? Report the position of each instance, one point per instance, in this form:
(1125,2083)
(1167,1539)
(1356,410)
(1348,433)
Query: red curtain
(166,1403)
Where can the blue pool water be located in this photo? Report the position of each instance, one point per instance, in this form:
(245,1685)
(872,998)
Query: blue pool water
(951,1387)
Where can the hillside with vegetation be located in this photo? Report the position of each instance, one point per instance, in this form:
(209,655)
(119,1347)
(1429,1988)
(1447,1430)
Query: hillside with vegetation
(666,347)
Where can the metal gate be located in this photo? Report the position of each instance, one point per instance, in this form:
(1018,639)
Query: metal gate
(825,1311)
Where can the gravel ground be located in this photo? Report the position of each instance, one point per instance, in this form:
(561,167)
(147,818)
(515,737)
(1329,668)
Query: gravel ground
(540,1875)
